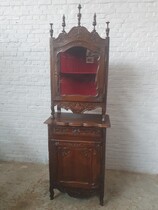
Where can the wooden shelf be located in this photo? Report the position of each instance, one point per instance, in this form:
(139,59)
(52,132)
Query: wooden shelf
(79,73)
(85,120)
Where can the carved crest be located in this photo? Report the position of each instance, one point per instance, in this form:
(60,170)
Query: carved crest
(77,33)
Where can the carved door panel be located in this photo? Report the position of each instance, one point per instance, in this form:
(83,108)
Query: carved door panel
(77,164)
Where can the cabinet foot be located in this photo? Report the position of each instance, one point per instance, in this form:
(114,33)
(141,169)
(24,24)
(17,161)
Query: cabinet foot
(52,195)
(101,201)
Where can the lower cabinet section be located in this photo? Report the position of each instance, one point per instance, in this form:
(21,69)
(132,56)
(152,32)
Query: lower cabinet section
(77,164)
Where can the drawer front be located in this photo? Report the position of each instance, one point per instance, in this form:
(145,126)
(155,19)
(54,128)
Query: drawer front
(75,131)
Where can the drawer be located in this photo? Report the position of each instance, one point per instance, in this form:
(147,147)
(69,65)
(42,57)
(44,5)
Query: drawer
(55,131)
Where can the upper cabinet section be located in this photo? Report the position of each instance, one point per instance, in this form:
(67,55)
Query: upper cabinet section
(79,63)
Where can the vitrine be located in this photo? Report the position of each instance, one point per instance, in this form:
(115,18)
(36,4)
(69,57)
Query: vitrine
(79,76)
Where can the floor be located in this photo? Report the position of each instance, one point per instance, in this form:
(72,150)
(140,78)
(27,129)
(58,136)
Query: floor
(24,186)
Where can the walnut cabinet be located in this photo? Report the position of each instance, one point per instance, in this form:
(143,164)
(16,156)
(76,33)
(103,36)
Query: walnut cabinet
(77,140)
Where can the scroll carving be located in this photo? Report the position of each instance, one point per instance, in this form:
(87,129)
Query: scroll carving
(86,153)
(78,107)
(65,153)
(96,150)
(73,144)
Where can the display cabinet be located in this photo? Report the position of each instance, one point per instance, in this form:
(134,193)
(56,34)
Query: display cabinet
(79,76)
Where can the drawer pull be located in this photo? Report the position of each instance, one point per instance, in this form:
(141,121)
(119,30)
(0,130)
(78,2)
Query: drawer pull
(76,131)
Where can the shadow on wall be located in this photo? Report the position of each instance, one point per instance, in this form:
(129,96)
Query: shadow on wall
(122,138)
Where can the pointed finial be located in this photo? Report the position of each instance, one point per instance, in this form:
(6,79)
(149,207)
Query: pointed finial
(51,30)
(79,15)
(107,29)
(63,24)
(94,21)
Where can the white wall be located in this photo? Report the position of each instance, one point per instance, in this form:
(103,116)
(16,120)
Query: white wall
(132,142)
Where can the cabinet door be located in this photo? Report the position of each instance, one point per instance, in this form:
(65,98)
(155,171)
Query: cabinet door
(77,164)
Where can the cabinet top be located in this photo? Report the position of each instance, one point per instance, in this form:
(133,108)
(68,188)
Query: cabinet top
(85,120)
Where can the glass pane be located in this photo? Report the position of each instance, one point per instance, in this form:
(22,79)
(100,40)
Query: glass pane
(78,69)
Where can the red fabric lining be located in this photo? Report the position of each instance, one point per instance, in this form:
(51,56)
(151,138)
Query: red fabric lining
(69,86)
(72,64)
(78,77)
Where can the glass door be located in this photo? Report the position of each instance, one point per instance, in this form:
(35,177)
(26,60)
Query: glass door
(78,70)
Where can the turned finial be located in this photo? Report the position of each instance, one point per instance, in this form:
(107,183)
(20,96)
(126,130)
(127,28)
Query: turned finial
(51,30)
(94,21)
(107,29)
(79,15)
(63,24)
